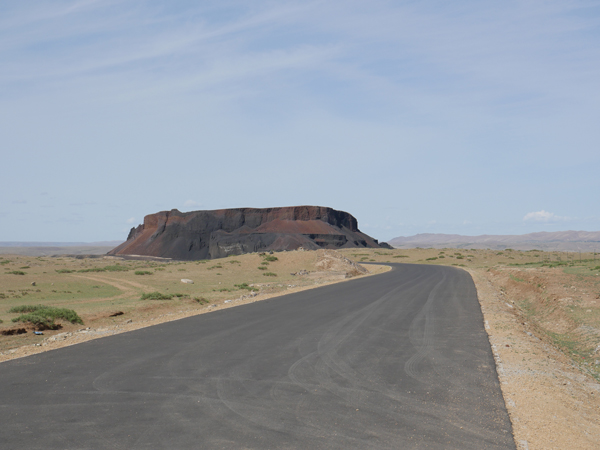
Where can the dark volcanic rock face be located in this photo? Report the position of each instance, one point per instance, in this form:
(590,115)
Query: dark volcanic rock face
(216,234)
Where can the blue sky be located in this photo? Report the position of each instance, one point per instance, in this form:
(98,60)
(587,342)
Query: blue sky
(468,117)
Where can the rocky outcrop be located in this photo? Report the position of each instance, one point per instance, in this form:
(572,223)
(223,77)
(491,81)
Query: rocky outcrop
(219,233)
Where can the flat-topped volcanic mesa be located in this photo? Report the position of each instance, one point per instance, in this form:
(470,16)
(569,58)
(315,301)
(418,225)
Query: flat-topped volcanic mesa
(216,234)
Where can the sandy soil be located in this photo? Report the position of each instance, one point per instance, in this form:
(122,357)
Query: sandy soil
(551,403)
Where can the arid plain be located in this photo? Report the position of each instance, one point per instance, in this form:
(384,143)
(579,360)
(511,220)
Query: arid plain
(541,310)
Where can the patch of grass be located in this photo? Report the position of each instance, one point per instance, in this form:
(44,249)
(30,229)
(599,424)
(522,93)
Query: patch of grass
(401,256)
(115,268)
(269,274)
(156,296)
(6,261)
(16,272)
(143,272)
(270,258)
(520,280)
(43,317)
(431,259)
(262,268)
(245,286)
(233,261)
(218,266)
(64,271)
(201,300)
(25,267)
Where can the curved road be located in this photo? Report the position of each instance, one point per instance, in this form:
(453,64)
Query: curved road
(395,361)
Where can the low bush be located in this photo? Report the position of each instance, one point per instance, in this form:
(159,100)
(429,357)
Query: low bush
(245,286)
(156,296)
(43,317)
(115,268)
(270,258)
(143,272)
(16,272)
(262,268)
(64,271)
(269,274)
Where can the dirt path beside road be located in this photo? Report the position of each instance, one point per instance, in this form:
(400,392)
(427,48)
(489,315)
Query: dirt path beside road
(552,405)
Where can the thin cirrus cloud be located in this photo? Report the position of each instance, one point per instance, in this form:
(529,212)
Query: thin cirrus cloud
(543,216)
(412,90)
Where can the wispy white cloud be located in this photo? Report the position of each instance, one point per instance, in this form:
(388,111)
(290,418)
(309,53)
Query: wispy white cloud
(130,220)
(544,216)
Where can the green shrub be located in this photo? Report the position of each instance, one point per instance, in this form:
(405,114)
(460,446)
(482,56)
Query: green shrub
(115,268)
(401,256)
(431,259)
(16,272)
(25,308)
(270,258)
(262,268)
(43,317)
(64,271)
(200,300)
(245,286)
(25,267)
(156,296)
(269,274)
(143,272)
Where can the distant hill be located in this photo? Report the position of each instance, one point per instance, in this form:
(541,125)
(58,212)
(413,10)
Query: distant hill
(60,244)
(585,241)
(57,248)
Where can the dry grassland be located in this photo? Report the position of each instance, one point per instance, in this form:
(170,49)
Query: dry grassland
(542,315)
(541,311)
(108,293)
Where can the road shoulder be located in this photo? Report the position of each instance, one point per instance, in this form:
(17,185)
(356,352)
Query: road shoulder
(552,405)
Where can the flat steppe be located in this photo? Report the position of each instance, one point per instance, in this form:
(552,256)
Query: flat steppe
(541,310)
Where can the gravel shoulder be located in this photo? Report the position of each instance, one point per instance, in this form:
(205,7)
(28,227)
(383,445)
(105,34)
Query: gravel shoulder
(551,403)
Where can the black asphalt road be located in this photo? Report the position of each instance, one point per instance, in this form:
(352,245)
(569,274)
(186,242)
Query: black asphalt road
(395,361)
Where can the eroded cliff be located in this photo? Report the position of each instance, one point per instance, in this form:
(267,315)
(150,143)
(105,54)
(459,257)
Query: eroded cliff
(219,233)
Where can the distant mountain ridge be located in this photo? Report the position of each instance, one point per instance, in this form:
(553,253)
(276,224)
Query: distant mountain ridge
(60,244)
(585,241)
